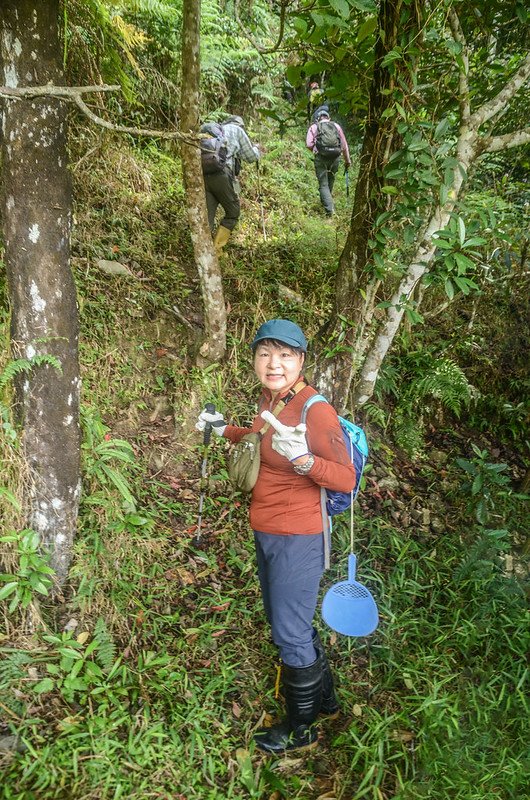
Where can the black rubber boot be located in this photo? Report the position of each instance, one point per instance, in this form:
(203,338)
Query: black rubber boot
(302,688)
(330,705)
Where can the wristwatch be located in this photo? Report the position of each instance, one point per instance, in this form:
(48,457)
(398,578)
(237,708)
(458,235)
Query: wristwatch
(303,469)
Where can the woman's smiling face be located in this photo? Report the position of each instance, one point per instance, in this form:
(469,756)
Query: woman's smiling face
(277,366)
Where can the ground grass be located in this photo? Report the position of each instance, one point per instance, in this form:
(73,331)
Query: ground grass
(148,679)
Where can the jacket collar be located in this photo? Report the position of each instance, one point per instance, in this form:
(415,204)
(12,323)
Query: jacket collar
(267,394)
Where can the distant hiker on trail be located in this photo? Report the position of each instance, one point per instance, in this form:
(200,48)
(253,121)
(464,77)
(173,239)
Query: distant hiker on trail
(327,141)
(315,96)
(221,170)
(295,460)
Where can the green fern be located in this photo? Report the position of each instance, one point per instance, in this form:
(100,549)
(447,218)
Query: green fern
(13,668)
(10,371)
(20,365)
(444,382)
(408,430)
(376,414)
(106,651)
(439,379)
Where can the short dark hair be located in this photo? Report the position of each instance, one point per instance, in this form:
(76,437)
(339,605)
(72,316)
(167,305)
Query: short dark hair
(278,345)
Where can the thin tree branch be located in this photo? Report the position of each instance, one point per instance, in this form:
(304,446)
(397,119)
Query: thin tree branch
(55,91)
(498,103)
(463,93)
(493,144)
(248,35)
(72,94)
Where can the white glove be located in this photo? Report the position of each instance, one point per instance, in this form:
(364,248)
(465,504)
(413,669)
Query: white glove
(287,441)
(216,420)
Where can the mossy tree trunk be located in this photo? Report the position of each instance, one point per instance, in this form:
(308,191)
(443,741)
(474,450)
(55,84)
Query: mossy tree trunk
(214,345)
(346,334)
(36,212)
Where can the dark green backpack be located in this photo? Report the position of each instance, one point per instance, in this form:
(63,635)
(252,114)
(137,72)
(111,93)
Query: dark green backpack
(328,140)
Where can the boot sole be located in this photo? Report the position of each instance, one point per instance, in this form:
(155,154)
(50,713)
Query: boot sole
(330,714)
(281,753)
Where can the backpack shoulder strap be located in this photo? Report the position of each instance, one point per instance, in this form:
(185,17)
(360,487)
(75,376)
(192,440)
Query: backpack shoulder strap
(316,398)
(282,403)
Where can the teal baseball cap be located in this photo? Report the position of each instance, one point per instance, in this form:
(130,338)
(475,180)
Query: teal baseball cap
(283,330)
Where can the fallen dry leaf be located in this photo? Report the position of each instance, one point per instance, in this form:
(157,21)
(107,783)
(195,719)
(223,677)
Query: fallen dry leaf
(221,607)
(403,736)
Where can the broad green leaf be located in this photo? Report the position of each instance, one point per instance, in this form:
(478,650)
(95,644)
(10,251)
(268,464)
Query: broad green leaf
(464,263)
(11,498)
(468,466)
(482,512)
(449,289)
(136,520)
(461,231)
(441,128)
(475,241)
(69,652)
(364,5)
(462,284)
(394,55)
(45,685)
(300,26)
(342,7)
(368,27)
(389,189)
(8,589)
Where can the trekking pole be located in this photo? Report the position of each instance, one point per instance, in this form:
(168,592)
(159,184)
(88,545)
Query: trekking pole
(347,178)
(260,200)
(210,409)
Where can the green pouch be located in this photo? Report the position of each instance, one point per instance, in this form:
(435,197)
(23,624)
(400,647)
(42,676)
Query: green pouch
(244,462)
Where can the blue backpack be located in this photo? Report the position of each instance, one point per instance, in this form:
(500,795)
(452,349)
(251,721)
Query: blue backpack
(357,448)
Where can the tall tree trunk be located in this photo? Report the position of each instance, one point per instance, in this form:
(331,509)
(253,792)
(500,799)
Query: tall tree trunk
(36,211)
(356,287)
(214,346)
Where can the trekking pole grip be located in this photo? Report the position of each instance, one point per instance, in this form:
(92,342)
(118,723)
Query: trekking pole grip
(210,409)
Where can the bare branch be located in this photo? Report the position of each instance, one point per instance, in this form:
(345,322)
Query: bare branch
(251,39)
(499,103)
(495,143)
(463,83)
(133,131)
(72,94)
(55,91)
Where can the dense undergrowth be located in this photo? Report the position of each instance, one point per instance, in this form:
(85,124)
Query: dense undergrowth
(149,677)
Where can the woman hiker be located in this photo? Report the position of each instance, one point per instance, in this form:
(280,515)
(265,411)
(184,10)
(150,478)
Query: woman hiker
(286,517)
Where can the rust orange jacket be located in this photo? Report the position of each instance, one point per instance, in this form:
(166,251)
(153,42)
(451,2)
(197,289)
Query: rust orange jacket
(282,501)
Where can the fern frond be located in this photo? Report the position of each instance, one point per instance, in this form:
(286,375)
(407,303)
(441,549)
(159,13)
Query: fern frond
(376,414)
(20,365)
(446,382)
(106,652)
(13,668)
(408,430)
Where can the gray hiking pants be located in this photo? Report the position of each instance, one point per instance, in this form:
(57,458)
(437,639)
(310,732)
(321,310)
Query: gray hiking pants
(289,570)
(220,192)
(326,171)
